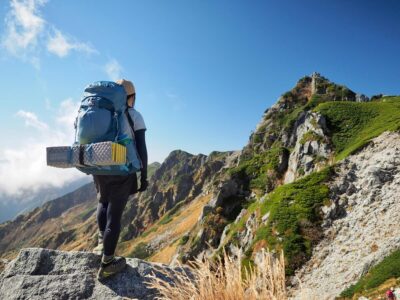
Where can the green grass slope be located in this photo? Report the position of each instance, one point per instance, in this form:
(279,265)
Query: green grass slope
(294,219)
(386,269)
(354,124)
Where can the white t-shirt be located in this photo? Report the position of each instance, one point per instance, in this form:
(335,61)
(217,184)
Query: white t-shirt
(138,122)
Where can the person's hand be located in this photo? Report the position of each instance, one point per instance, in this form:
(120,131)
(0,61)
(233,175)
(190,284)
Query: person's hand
(143,185)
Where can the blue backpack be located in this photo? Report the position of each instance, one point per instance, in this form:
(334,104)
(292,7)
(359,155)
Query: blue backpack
(103,116)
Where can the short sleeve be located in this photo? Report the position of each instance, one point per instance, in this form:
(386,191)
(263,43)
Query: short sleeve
(138,120)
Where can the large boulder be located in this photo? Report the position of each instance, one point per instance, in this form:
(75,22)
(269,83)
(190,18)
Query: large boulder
(39,273)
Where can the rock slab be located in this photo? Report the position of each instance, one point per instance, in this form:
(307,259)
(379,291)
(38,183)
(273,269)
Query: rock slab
(39,273)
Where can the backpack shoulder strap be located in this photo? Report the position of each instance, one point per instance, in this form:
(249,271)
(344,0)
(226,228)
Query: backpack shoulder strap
(130,120)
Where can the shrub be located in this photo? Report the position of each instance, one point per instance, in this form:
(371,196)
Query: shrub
(310,136)
(165,219)
(257,138)
(141,251)
(295,217)
(184,240)
(261,170)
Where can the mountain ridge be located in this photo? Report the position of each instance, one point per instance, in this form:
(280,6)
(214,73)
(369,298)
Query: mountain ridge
(273,193)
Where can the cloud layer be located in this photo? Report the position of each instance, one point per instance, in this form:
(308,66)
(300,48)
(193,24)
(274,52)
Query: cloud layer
(27,33)
(23,168)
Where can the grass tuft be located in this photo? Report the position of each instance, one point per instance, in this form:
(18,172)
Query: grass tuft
(225,279)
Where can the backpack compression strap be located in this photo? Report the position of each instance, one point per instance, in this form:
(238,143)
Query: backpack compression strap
(81,153)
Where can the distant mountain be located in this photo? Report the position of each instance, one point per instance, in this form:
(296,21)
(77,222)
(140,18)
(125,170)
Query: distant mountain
(11,206)
(49,225)
(318,179)
(151,169)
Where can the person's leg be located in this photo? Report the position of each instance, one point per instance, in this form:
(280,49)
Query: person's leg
(101,223)
(113,226)
(102,203)
(118,191)
(102,216)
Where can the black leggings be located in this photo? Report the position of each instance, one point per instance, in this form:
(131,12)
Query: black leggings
(109,220)
(113,193)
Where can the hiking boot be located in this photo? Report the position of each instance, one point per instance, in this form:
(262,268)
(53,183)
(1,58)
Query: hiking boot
(99,248)
(116,265)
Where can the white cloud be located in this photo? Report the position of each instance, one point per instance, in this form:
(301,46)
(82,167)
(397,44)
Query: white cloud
(24,25)
(23,167)
(61,46)
(27,33)
(31,120)
(113,69)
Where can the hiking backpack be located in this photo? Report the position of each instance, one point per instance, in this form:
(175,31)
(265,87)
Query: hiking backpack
(102,117)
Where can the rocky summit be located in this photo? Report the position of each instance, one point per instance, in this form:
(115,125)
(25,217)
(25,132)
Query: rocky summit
(318,180)
(51,274)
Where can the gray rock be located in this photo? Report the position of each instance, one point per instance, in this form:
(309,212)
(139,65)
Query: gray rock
(361,98)
(51,274)
(224,235)
(361,224)
(245,237)
(227,189)
(304,158)
(265,218)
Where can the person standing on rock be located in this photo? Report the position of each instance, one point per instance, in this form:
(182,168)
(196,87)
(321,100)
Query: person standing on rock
(113,193)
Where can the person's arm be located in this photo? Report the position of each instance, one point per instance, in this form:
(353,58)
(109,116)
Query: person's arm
(142,151)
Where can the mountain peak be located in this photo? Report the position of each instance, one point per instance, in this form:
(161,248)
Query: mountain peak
(315,85)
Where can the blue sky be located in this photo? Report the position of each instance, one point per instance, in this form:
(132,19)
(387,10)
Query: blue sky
(204,70)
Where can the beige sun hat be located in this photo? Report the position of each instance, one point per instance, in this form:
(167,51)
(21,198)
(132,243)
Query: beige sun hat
(128,86)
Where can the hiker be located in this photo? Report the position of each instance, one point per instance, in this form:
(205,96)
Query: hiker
(390,294)
(113,192)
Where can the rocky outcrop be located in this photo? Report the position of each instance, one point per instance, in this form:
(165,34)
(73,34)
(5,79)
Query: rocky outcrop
(244,238)
(311,144)
(290,141)
(361,98)
(270,128)
(180,179)
(51,274)
(361,222)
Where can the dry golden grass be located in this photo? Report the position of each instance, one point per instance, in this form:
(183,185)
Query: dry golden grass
(165,255)
(181,223)
(225,280)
